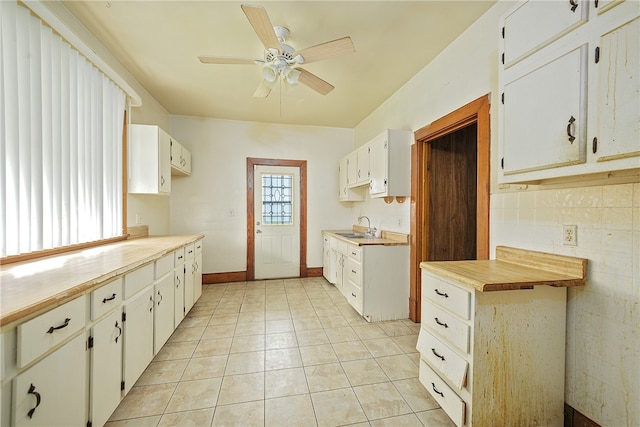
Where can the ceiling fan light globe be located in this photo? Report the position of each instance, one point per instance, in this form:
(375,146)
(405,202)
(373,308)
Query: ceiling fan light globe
(292,75)
(269,73)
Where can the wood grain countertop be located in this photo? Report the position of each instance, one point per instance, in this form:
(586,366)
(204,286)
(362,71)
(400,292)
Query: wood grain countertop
(30,287)
(387,238)
(513,269)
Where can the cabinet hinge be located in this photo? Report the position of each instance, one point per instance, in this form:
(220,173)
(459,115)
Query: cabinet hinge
(124,316)
(597,54)
(596,3)
(502,32)
(503,59)
(502,97)
(89,424)
(502,163)
(121,385)
(90,342)
(594,146)
(385,182)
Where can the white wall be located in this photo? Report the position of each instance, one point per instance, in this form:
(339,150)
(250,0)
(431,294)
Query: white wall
(212,201)
(603,344)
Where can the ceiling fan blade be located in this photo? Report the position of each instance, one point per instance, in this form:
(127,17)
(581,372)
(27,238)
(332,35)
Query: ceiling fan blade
(262,91)
(314,82)
(259,20)
(327,50)
(225,60)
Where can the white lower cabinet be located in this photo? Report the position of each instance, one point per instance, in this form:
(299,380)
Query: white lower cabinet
(163,323)
(73,364)
(105,367)
(493,358)
(138,336)
(53,391)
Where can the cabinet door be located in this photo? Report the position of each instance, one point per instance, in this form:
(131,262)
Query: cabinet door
(138,336)
(352,169)
(186,161)
(163,312)
(197,278)
(544,117)
(176,153)
(188,286)
(53,392)
(164,162)
(618,108)
(342,179)
(326,258)
(378,165)
(178,295)
(535,24)
(106,367)
(363,165)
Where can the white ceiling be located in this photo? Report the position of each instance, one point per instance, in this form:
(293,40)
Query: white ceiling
(159,43)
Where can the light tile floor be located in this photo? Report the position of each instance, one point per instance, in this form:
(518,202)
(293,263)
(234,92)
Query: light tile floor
(282,353)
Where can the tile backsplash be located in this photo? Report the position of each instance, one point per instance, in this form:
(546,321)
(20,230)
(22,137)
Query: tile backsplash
(603,318)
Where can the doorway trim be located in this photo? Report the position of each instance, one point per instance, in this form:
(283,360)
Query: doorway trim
(476,111)
(302,165)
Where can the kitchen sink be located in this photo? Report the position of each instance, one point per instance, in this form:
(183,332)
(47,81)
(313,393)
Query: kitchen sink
(352,235)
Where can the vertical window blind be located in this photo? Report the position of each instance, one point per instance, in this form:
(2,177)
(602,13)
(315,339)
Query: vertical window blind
(61,124)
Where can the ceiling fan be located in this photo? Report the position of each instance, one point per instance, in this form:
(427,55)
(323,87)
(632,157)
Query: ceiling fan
(280,59)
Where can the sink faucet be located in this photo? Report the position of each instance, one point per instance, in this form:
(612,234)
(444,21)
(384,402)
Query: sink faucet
(370,231)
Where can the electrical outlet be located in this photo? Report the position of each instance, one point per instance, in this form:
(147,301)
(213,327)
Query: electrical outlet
(138,219)
(570,235)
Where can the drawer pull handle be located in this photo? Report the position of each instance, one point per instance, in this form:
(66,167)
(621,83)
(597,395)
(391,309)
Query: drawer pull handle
(353,253)
(353,295)
(440,323)
(32,390)
(433,350)
(119,331)
(442,294)
(574,5)
(55,328)
(111,298)
(571,121)
(353,271)
(433,386)
(180,257)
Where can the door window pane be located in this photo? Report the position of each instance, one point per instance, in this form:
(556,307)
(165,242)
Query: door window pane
(277,193)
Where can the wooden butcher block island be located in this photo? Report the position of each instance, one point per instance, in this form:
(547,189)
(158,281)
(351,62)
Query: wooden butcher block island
(492,337)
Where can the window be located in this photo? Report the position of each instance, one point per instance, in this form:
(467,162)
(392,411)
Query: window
(277,199)
(61,125)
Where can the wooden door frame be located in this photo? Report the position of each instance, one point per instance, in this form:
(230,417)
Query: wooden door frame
(476,111)
(251,244)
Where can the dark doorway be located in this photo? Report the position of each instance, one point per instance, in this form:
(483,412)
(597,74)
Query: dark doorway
(452,195)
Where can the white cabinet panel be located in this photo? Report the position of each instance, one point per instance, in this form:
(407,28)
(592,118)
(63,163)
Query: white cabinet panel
(619,93)
(545,115)
(53,392)
(149,160)
(138,336)
(535,24)
(163,324)
(106,367)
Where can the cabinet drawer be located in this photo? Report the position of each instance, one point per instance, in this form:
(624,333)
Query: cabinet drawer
(39,335)
(138,280)
(164,265)
(355,252)
(453,298)
(106,298)
(354,296)
(178,257)
(450,402)
(189,250)
(198,247)
(443,358)
(450,327)
(354,271)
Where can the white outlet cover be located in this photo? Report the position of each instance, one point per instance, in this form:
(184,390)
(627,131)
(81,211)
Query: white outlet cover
(570,235)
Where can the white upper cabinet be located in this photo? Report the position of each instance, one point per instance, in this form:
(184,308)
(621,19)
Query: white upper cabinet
(570,91)
(618,94)
(534,24)
(180,159)
(390,163)
(149,160)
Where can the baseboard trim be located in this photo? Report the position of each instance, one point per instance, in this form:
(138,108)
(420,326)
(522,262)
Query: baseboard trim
(573,418)
(241,276)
